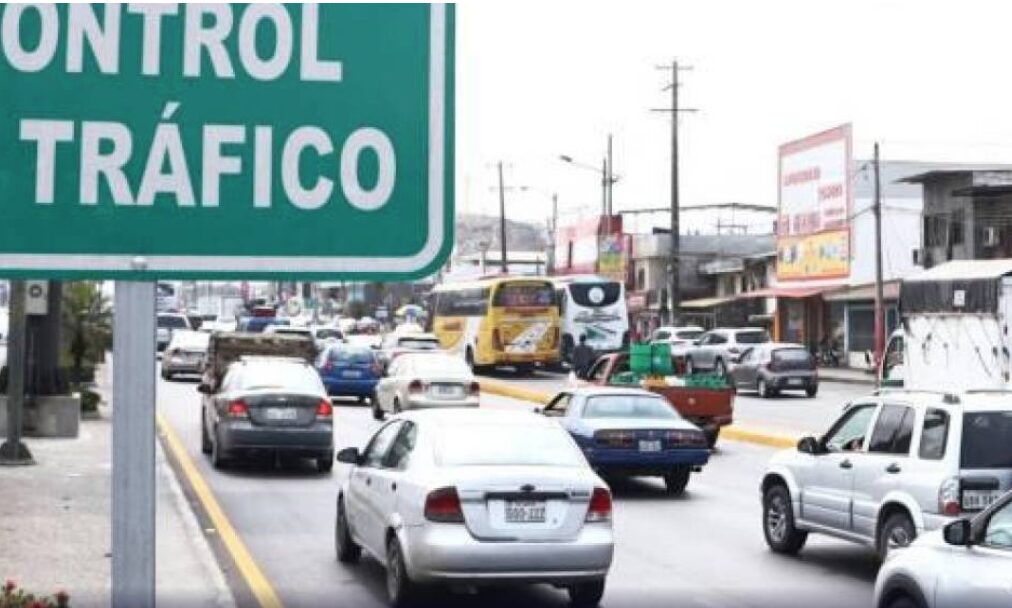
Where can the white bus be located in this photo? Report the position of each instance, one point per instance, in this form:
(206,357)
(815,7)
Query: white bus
(594,307)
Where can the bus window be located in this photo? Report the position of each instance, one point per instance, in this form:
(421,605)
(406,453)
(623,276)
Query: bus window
(519,295)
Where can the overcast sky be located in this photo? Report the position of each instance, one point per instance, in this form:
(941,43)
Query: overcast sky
(929,79)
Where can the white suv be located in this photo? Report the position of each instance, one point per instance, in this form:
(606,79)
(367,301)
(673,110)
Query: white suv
(968,565)
(896,464)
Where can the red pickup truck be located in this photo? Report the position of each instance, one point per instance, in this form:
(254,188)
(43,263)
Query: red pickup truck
(708,408)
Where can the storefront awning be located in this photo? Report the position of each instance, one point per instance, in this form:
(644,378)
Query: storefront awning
(789,292)
(863,293)
(705,303)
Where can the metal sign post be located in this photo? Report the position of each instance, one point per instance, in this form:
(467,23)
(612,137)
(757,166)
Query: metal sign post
(13,451)
(133,446)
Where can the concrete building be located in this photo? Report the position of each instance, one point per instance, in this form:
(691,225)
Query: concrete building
(967,213)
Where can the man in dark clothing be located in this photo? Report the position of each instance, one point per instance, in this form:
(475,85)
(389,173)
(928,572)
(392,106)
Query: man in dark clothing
(583,357)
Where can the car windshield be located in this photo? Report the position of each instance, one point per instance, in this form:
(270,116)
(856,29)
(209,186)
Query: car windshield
(689,334)
(281,376)
(987,440)
(438,365)
(752,337)
(505,445)
(418,343)
(172,322)
(628,406)
(359,354)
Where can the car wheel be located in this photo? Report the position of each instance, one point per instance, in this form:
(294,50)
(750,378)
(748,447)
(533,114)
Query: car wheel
(897,532)
(676,480)
(217,457)
(762,388)
(778,522)
(325,463)
(903,601)
(586,595)
(205,441)
(348,551)
(720,369)
(361,399)
(812,391)
(401,591)
(377,411)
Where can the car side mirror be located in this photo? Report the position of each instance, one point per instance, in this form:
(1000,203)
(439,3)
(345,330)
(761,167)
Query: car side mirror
(349,456)
(204,388)
(808,445)
(958,533)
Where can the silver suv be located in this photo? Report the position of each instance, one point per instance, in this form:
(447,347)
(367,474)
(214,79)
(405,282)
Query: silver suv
(895,464)
(720,347)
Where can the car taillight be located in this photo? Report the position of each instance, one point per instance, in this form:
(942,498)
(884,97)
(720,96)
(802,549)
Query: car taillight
(238,409)
(600,506)
(615,439)
(416,386)
(685,438)
(324,409)
(474,389)
(496,340)
(443,506)
(949,499)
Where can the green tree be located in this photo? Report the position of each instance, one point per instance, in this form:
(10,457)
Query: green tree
(87,324)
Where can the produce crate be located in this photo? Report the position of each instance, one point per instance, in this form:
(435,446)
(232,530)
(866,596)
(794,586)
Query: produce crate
(709,381)
(651,359)
(626,379)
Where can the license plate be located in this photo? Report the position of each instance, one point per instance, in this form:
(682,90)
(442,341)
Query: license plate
(447,391)
(352,373)
(978,500)
(795,381)
(281,413)
(525,511)
(650,446)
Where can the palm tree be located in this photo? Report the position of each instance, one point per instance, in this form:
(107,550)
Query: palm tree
(87,324)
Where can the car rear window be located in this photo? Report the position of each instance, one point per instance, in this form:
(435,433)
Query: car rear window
(351,355)
(418,343)
(628,406)
(506,445)
(752,337)
(987,440)
(172,322)
(281,376)
(792,355)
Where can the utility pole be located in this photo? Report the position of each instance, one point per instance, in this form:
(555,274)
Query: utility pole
(674,289)
(555,231)
(879,309)
(502,220)
(13,451)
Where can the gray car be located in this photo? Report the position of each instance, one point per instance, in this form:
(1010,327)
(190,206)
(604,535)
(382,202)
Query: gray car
(185,354)
(771,368)
(719,347)
(476,497)
(268,404)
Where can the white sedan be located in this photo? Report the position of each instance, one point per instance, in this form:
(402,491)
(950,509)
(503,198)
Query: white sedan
(967,563)
(476,497)
(425,380)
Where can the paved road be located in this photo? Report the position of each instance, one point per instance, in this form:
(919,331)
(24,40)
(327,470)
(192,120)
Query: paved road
(705,549)
(789,413)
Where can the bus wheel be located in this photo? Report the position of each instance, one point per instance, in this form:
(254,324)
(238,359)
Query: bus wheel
(567,348)
(524,369)
(469,359)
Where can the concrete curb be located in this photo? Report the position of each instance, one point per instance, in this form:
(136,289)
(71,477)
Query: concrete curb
(733,433)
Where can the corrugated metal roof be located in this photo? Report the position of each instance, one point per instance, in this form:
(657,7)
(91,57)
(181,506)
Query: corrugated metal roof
(890,291)
(706,302)
(965,270)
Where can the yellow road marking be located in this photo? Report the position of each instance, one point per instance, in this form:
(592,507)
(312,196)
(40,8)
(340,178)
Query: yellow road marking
(734,433)
(258,583)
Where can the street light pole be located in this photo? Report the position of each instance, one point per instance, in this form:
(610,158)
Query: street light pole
(502,220)
(879,296)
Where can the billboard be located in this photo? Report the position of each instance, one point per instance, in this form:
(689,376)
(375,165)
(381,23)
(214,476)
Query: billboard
(815,194)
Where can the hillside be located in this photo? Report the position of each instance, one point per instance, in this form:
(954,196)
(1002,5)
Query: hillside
(474,230)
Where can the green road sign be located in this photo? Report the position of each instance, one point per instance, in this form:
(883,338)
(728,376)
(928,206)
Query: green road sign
(142,141)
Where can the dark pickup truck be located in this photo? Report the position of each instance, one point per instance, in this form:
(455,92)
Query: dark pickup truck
(708,408)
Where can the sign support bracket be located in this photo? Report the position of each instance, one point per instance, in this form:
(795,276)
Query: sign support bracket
(133,446)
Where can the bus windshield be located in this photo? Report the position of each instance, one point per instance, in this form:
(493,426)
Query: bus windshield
(595,295)
(517,295)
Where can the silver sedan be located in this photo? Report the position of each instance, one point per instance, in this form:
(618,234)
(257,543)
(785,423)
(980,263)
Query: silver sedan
(425,380)
(476,497)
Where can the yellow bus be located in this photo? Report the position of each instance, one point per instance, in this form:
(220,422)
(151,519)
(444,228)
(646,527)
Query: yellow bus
(498,321)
